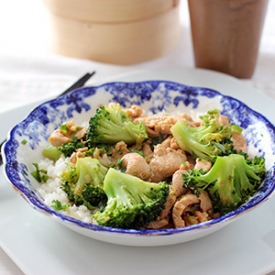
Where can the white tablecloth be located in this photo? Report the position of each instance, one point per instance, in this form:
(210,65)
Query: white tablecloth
(30,71)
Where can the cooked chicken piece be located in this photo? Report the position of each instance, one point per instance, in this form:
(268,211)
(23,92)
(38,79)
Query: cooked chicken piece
(134,111)
(203,164)
(177,183)
(201,216)
(170,142)
(180,206)
(78,154)
(224,120)
(120,150)
(148,153)
(71,127)
(175,190)
(161,124)
(165,162)
(193,217)
(75,130)
(158,124)
(173,144)
(158,224)
(136,165)
(170,201)
(166,143)
(59,137)
(205,202)
(81,133)
(239,142)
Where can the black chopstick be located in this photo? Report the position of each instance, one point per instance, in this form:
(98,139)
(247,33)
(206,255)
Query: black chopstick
(79,83)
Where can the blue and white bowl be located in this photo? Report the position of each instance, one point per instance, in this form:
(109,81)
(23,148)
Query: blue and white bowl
(153,96)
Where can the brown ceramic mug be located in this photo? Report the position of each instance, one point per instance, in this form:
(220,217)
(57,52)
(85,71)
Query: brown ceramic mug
(226,34)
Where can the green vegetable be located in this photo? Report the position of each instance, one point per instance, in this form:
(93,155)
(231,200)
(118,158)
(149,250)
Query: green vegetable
(39,174)
(52,153)
(230,182)
(206,141)
(24,142)
(92,196)
(69,148)
(63,128)
(84,182)
(57,205)
(132,202)
(112,124)
(236,128)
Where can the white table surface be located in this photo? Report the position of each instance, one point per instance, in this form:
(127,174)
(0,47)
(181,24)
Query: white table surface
(29,71)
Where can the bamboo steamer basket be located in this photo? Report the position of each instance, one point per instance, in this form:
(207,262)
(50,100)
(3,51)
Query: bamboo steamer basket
(109,10)
(116,35)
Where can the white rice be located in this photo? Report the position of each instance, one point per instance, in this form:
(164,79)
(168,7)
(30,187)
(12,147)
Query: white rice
(51,190)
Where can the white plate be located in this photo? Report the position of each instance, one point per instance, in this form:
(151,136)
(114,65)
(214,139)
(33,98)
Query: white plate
(38,245)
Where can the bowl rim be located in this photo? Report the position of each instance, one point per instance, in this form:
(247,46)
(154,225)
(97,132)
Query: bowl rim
(32,199)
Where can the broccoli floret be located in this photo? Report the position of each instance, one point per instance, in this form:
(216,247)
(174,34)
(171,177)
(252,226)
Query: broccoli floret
(92,196)
(95,195)
(68,148)
(206,141)
(112,124)
(83,182)
(132,202)
(230,182)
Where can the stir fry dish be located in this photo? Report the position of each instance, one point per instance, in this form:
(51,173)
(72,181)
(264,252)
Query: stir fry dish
(125,168)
